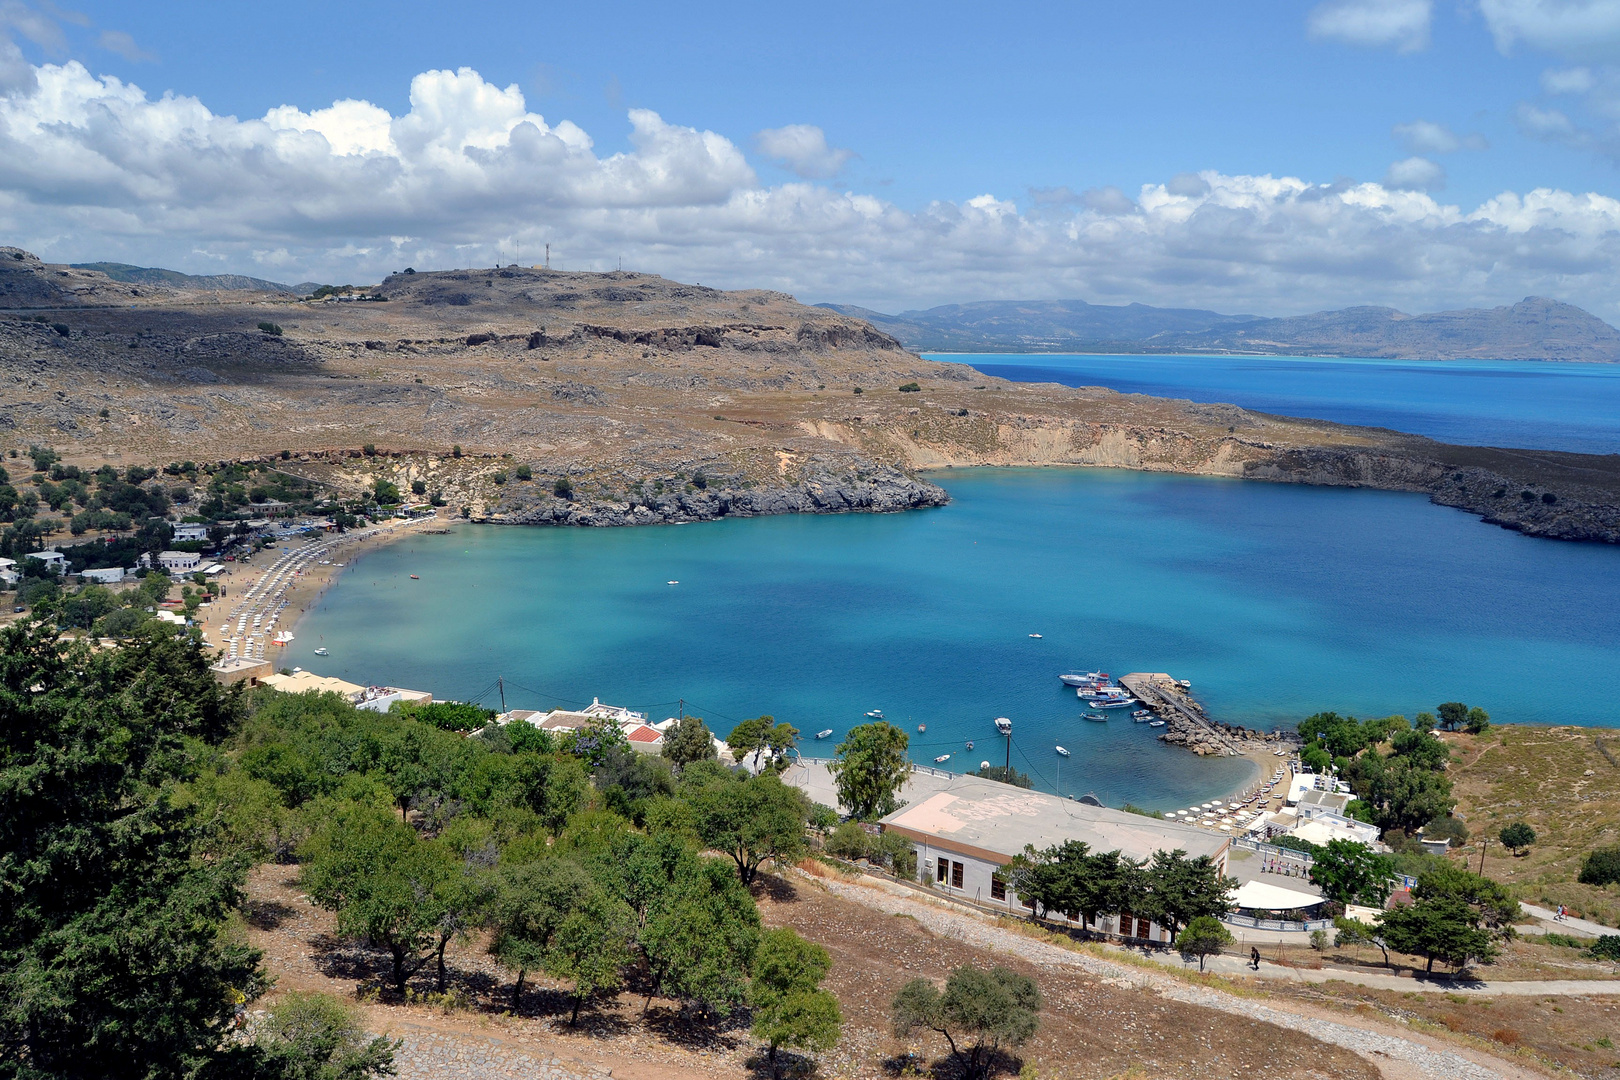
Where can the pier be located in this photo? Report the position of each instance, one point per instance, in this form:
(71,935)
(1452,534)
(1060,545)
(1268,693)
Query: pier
(1171,702)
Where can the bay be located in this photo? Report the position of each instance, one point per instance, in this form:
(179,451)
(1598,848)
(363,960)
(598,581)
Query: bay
(1274,600)
(1521,403)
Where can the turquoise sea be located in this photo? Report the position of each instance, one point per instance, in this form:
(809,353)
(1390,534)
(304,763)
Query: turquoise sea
(1524,403)
(1274,600)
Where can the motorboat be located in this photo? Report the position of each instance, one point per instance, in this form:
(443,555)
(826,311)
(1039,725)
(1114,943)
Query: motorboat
(876,714)
(922,727)
(970,744)
(1099,717)
(1142,712)
(1100,691)
(1139,717)
(1111,703)
(1004,725)
(321,651)
(1034,635)
(823,733)
(1061,751)
(942,759)
(415,578)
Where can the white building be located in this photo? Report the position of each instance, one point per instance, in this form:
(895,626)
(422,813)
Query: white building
(110,575)
(178,562)
(54,561)
(966,833)
(190,532)
(8,571)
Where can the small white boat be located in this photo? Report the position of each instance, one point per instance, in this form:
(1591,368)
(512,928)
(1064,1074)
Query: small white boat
(824,733)
(1004,725)
(942,759)
(970,744)
(1034,635)
(671,583)
(876,714)
(1185,684)
(1111,703)
(1144,713)
(1097,717)
(321,651)
(1062,751)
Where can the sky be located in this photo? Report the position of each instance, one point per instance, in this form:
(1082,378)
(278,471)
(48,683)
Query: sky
(1265,157)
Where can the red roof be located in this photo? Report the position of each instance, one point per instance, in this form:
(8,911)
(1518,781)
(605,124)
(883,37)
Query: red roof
(643,733)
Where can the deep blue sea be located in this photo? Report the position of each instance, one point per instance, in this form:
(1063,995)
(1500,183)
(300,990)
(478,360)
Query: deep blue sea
(1521,403)
(1274,600)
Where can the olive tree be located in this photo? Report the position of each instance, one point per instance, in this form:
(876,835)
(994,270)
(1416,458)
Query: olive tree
(979,1013)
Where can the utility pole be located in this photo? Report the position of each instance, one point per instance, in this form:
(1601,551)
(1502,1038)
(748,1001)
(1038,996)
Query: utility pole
(501,685)
(1483,844)
(548,256)
(683,711)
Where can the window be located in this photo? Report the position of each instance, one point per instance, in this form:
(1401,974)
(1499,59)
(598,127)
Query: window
(956,875)
(1142,928)
(998,888)
(944,868)
(1125,925)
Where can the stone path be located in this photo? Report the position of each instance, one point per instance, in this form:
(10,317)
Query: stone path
(1414,1055)
(434,1055)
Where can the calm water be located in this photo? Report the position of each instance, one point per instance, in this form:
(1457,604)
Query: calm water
(1275,600)
(1551,406)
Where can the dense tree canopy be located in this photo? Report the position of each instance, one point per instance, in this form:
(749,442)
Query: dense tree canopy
(993,1009)
(870,768)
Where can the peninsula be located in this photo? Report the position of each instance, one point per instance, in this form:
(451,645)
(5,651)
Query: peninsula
(629,398)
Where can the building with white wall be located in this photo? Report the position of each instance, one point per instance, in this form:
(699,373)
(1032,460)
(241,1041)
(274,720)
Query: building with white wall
(968,831)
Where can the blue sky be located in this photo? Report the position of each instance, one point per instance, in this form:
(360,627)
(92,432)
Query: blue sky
(1262,156)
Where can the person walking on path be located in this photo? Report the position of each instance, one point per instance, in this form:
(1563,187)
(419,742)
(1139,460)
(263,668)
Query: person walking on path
(1254,956)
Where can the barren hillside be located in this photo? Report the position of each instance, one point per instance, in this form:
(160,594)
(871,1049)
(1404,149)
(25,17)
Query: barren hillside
(659,400)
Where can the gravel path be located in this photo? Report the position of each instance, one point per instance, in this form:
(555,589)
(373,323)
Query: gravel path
(434,1055)
(1383,1049)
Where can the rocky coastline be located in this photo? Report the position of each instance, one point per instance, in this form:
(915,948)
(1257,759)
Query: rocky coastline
(885,490)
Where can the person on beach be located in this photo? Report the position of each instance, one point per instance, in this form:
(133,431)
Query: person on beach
(1254,956)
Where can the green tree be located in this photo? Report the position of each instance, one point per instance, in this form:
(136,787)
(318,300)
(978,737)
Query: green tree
(1003,774)
(690,740)
(789,1007)
(1351,873)
(113,957)
(387,886)
(751,820)
(1493,905)
(700,935)
(386,492)
(530,902)
(1204,937)
(1351,932)
(591,946)
(870,768)
(1182,889)
(1600,867)
(1440,928)
(1478,721)
(1453,715)
(1517,836)
(311,1036)
(992,1008)
(1419,748)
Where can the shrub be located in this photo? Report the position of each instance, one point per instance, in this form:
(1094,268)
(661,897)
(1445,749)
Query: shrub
(1548,497)
(910,388)
(418,487)
(1600,867)
(370,449)
(523,472)
(61,328)
(563,488)
(270,328)
(961,412)
(499,478)
(1527,496)
(1607,947)
(848,841)
(455,451)
(858,390)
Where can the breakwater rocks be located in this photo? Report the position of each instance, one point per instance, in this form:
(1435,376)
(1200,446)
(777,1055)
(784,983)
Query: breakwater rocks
(881,491)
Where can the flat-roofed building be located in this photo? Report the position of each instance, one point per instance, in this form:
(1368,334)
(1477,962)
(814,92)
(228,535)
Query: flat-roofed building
(968,831)
(304,682)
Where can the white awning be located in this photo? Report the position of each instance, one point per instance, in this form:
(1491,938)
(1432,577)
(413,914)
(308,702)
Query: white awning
(1263,896)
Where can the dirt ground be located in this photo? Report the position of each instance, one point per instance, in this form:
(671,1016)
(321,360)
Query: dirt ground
(1090,1026)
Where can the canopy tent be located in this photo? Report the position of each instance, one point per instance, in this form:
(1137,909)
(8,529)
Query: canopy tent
(1263,896)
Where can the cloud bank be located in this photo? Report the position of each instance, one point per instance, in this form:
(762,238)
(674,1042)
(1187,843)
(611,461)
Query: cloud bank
(95,168)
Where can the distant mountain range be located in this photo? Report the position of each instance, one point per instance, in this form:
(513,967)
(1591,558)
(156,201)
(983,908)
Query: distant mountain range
(1533,329)
(174,279)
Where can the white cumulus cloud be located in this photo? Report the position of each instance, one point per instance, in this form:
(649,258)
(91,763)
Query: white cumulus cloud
(1403,24)
(95,168)
(803,149)
(1415,174)
(1567,27)
(1428,137)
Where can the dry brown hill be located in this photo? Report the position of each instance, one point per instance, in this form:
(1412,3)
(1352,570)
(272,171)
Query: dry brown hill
(659,400)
